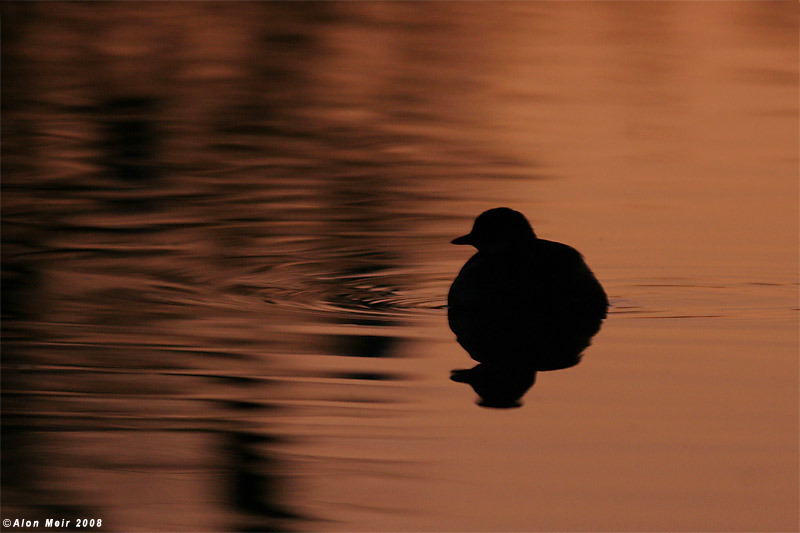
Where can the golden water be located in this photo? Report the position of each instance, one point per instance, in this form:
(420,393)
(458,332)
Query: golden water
(225,262)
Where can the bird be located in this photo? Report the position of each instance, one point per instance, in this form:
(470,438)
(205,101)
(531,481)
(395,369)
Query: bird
(520,305)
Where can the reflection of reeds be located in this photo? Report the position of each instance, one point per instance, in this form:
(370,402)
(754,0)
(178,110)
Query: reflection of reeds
(256,486)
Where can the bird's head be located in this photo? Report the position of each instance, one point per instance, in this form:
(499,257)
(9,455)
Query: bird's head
(498,386)
(499,230)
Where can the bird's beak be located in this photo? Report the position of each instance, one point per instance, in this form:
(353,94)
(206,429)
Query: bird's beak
(464,239)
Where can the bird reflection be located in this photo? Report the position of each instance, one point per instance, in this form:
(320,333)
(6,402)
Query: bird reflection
(520,305)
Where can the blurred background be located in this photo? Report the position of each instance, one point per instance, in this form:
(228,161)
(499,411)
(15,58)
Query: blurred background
(225,260)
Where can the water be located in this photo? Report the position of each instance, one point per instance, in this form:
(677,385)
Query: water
(225,263)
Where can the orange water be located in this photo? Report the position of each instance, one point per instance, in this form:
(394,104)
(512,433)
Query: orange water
(225,255)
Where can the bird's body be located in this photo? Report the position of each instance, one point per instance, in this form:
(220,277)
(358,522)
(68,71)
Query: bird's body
(522,302)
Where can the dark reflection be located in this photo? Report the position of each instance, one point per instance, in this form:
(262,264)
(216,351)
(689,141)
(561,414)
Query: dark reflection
(519,306)
(167,180)
(131,141)
(363,345)
(497,385)
(255,485)
(367,376)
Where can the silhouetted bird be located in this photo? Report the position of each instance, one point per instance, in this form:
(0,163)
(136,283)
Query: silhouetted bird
(520,305)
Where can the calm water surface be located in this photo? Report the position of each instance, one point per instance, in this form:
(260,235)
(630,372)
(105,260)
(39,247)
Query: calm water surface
(225,261)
